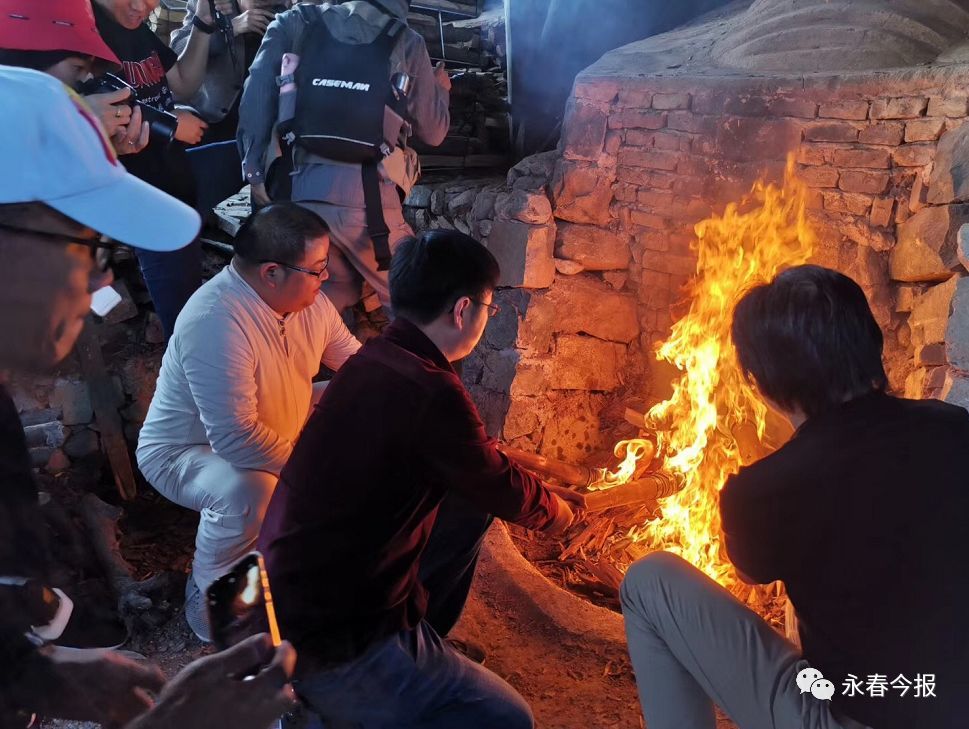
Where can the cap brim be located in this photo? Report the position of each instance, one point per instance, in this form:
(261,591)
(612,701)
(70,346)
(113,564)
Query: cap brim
(133,212)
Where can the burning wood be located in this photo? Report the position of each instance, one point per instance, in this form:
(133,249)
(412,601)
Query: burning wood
(552,468)
(645,490)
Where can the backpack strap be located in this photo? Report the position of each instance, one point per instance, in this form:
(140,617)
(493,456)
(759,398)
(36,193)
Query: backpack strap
(374,210)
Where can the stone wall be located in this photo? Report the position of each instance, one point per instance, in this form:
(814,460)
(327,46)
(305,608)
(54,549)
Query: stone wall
(597,277)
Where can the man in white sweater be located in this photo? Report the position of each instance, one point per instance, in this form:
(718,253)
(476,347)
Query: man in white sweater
(236,387)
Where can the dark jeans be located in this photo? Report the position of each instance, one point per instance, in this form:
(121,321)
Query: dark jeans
(217,171)
(413,678)
(171,278)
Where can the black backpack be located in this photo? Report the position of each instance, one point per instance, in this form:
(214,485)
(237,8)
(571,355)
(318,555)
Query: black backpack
(343,90)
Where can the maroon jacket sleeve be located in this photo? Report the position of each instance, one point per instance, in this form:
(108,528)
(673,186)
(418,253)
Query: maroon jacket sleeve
(457,452)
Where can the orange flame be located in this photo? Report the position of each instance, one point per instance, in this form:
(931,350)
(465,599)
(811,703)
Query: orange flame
(747,245)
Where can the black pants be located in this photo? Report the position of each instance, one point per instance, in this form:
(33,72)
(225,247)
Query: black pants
(449,560)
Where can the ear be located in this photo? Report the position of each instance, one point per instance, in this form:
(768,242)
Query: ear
(462,310)
(271,274)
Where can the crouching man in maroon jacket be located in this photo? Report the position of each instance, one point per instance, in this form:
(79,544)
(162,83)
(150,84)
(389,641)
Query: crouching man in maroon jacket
(367,566)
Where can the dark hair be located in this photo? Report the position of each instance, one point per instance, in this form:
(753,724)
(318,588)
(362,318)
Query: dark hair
(37,60)
(809,340)
(278,232)
(428,274)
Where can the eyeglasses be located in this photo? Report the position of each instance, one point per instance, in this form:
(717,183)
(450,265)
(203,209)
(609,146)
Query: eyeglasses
(101,247)
(493,309)
(307,271)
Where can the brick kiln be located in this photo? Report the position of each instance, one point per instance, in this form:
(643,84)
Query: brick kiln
(597,239)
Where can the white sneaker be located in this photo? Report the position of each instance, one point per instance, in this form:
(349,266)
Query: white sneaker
(196,612)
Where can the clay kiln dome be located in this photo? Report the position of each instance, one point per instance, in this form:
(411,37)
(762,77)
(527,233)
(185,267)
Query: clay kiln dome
(804,36)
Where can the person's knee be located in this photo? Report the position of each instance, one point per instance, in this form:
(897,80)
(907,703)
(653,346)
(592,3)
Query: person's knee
(512,712)
(650,575)
(243,499)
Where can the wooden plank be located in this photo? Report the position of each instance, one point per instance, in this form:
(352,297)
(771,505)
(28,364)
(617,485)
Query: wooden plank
(104,401)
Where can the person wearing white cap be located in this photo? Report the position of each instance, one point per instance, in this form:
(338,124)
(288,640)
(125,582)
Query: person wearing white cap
(64,200)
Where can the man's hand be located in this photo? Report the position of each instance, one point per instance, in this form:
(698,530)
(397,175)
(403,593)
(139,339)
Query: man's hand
(211,691)
(88,685)
(190,127)
(133,138)
(259,196)
(574,499)
(252,21)
(440,75)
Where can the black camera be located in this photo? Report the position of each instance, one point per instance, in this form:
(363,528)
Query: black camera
(161,124)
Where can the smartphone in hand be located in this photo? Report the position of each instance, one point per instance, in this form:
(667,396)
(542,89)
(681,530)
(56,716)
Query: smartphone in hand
(240,604)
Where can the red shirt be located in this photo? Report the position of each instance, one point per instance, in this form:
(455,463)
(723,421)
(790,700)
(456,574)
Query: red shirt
(343,535)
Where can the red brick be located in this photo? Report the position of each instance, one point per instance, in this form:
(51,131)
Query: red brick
(645,178)
(613,143)
(846,202)
(694,166)
(889,133)
(819,176)
(667,102)
(653,159)
(597,90)
(809,155)
(625,192)
(672,264)
(906,107)
(913,155)
(709,102)
(584,132)
(656,199)
(684,121)
(924,130)
(653,241)
(647,220)
(955,106)
(639,138)
(792,107)
(635,98)
(860,157)
(636,119)
(746,139)
(684,185)
(746,106)
(671,141)
(881,212)
(856,110)
(834,131)
(873,182)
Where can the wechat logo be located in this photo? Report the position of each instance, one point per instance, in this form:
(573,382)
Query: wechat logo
(810,679)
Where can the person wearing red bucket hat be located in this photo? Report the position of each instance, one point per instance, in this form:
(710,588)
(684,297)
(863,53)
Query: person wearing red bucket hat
(60,37)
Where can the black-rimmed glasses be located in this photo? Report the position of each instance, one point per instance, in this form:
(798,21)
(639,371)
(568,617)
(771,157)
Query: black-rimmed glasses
(493,309)
(101,247)
(307,271)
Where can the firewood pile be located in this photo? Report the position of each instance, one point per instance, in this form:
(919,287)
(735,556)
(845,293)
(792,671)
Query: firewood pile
(591,558)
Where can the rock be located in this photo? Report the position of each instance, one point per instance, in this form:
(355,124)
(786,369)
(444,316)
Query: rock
(500,369)
(957,332)
(74,400)
(956,389)
(462,226)
(524,253)
(578,304)
(582,192)
(962,246)
(931,312)
(949,181)
(584,131)
(927,243)
(419,197)
(531,208)
(57,462)
(154,332)
(537,165)
(568,268)
(616,279)
(573,433)
(40,456)
(50,434)
(585,363)
(595,248)
(485,227)
(39,417)
(438,197)
(461,203)
(125,309)
(484,205)
(82,443)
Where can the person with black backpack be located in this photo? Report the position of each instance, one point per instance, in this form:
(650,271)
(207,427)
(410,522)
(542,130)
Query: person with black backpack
(363,82)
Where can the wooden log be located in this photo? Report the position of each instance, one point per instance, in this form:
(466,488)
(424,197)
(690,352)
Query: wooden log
(647,489)
(104,402)
(553,468)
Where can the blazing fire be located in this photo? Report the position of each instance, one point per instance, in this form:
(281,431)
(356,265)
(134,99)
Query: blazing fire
(696,429)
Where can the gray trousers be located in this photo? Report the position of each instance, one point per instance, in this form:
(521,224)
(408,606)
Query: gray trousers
(352,260)
(692,644)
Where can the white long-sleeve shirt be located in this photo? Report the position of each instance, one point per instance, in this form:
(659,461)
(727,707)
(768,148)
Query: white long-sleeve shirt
(238,377)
